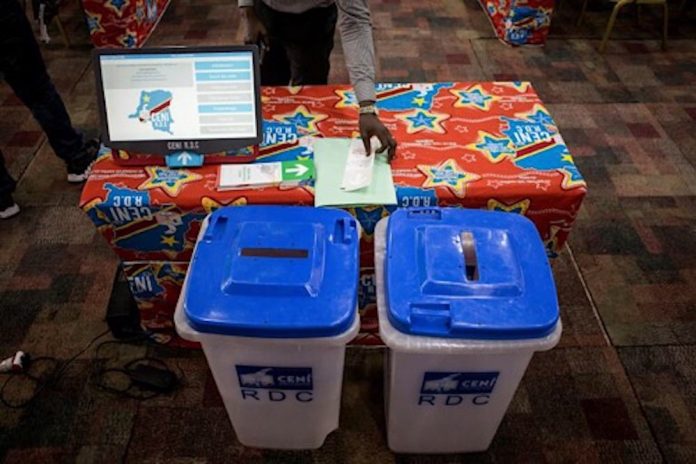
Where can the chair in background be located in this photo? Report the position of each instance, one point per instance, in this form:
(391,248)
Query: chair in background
(617,7)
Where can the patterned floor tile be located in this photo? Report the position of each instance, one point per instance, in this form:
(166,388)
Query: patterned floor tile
(562,71)
(635,238)
(664,379)
(627,117)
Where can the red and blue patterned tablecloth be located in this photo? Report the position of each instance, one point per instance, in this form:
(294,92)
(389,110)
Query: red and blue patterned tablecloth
(122,23)
(489,145)
(520,22)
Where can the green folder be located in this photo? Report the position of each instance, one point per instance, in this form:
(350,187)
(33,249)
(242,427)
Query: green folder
(330,160)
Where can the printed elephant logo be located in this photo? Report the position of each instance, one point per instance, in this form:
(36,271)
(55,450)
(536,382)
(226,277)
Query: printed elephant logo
(443,385)
(257,379)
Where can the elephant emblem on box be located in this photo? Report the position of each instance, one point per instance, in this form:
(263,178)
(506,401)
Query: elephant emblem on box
(257,379)
(443,385)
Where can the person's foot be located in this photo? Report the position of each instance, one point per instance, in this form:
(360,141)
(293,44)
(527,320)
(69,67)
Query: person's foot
(8,207)
(79,168)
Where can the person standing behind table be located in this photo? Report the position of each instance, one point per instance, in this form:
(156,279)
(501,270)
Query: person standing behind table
(24,70)
(296,39)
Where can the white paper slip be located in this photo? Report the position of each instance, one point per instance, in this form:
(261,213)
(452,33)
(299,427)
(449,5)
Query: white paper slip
(239,176)
(358,171)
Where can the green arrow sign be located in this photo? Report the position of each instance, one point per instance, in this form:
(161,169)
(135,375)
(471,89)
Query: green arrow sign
(298,170)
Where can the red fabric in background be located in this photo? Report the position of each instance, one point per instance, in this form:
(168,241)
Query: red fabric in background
(122,23)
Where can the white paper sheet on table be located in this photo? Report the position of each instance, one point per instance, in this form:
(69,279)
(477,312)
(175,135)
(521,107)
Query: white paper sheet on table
(330,155)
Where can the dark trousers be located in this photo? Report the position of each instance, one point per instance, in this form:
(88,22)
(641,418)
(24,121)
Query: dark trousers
(7,183)
(23,69)
(299,45)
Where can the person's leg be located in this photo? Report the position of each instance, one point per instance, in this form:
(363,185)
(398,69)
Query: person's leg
(8,207)
(24,70)
(275,67)
(310,44)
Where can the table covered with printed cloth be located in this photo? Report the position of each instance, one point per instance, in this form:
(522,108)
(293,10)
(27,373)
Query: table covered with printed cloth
(122,23)
(476,145)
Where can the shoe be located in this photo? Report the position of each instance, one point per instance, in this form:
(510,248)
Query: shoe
(79,168)
(8,207)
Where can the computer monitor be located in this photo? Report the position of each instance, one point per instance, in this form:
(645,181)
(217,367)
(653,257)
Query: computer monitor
(168,100)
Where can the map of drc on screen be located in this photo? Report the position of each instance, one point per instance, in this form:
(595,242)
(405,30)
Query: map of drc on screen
(187,96)
(153,107)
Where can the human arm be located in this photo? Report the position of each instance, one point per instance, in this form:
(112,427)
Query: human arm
(355,26)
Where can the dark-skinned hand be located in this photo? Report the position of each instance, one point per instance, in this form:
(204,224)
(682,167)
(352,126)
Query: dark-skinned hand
(371,126)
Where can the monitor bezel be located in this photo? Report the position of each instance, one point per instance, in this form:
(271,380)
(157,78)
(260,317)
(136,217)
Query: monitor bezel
(163,147)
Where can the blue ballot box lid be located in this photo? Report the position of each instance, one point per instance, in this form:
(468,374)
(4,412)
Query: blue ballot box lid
(472,274)
(275,272)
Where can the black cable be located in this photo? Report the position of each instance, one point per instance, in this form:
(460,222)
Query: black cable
(133,390)
(42,381)
(51,377)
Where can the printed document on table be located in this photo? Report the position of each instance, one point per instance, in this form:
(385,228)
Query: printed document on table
(330,156)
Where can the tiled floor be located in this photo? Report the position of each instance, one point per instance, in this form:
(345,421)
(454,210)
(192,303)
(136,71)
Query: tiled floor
(619,388)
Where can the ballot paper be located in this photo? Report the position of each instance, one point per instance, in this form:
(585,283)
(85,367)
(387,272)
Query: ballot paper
(330,156)
(240,176)
(358,171)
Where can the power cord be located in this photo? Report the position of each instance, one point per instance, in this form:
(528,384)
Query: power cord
(42,381)
(142,378)
(145,377)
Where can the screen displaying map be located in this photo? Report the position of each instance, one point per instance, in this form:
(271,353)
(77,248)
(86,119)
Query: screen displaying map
(179,96)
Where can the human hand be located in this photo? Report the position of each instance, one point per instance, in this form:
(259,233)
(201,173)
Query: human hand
(370,126)
(253,29)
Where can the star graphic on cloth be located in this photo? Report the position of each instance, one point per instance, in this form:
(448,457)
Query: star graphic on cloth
(495,184)
(421,120)
(418,101)
(474,97)
(210,204)
(520,86)
(506,106)
(268,91)
(94,23)
(368,217)
(302,118)
(496,149)
(519,207)
(117,5)
(294,89)
(146,98)
(542,185)
(169,241)
(169,180)
(461,129)
(540,116)
(571,178)
(408,155)
(551,243)
(448,174)
(469,158)
(346,99)
(170,272)
(128,40)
